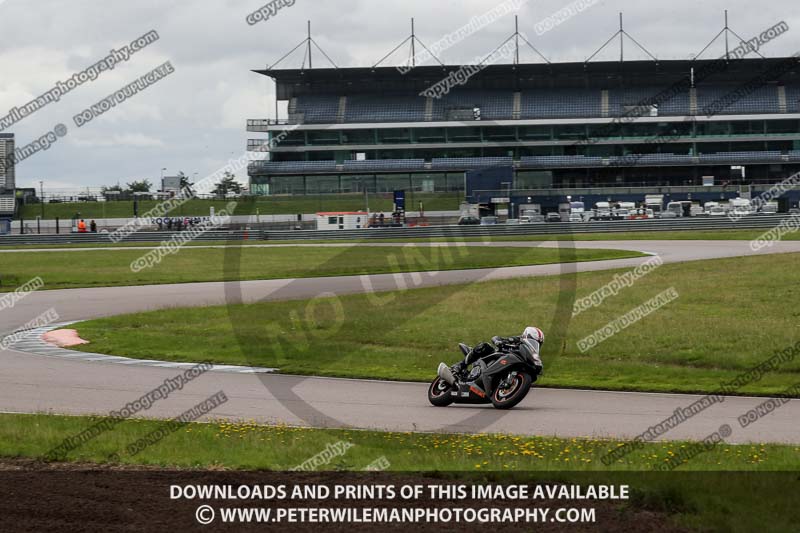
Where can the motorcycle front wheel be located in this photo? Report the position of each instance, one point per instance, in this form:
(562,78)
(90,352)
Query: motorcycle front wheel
(509,396)
(439,393)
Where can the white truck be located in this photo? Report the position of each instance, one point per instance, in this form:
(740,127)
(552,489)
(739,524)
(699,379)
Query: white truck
(770,208)
(577,212)
(604,212)
(741,207)
(655,202)
(696,210)
(714,209)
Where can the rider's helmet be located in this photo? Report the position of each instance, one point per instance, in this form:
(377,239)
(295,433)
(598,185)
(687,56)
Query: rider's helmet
(533,333)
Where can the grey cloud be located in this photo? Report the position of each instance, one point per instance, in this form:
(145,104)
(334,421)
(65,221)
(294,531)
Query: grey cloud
(194,120)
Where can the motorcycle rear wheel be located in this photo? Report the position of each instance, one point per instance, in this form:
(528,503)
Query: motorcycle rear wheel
(512,395)
(439,393)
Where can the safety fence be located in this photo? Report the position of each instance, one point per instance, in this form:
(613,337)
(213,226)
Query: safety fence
(499,230)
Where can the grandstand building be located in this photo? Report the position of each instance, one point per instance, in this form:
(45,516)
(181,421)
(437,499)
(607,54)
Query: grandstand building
(7,181)
(676,126)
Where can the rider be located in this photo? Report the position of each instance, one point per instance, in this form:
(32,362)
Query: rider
(532,334)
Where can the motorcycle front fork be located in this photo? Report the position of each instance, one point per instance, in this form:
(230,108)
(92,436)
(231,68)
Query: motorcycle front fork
(508,381)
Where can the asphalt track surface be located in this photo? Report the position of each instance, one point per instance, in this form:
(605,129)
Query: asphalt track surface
(32,384)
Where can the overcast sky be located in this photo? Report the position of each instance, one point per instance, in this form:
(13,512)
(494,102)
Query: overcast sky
(194,119)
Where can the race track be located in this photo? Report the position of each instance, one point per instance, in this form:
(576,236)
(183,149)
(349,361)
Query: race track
(31,383)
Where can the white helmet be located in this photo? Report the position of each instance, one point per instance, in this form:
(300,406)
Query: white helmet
(533,333)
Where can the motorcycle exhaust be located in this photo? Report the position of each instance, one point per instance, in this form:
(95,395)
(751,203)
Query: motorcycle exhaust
(446,374)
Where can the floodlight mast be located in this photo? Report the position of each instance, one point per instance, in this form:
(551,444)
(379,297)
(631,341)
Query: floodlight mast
(726,31)
(310,66)
(622,34)
(307,55)
(727,51)
(413,45)
(413,49)
(517,36)
(310,43)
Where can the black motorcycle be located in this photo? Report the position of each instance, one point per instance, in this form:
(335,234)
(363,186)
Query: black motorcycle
(502,378)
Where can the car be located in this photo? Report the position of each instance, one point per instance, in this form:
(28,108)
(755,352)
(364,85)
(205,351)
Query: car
(469,221)
(576,217)
(531,219)
(771,208)
(488,221)
(553,217)
(794,211)
(512,221)
(641,214)
(605,216)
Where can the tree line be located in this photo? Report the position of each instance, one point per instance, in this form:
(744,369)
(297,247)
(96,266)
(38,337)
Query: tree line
(226,185)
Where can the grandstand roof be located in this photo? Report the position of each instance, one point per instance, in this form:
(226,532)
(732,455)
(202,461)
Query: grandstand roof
(295,82)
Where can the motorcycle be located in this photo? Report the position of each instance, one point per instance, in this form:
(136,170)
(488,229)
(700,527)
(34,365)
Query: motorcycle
(503,378)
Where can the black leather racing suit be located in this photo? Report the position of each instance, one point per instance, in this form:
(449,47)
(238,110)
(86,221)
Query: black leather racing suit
(486,349)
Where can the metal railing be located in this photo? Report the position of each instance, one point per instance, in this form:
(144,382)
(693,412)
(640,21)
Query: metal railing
(262,125)
(501,230)
(613,190)
(552,228)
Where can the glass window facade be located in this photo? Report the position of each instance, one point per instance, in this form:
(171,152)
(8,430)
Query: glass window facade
(542,133)
(394,136)
(359,136)
(679,138)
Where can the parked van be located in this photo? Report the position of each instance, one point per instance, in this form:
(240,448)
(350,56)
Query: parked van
(770,208)
(741,207)
(678,210)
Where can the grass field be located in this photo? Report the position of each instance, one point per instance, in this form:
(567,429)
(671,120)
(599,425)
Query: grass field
(731,315)
(247,445)
(688,235)
(712,492)
(275,205)
(61,270)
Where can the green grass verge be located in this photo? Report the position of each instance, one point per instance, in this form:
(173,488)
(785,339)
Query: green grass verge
(687,235)
(731,315)
(101,268)
(701,494)
(247,445)
(684,235)
(275,205)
